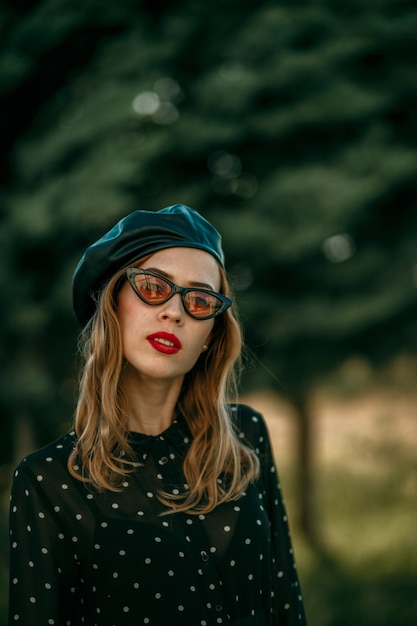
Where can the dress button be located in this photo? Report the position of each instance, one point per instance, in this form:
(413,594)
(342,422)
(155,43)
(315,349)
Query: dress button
(163,460)
(204,556)
(218,608)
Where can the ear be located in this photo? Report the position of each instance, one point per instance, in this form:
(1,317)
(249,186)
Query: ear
(207,342)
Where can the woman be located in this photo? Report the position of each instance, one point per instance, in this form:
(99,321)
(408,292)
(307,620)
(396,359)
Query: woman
(162,507)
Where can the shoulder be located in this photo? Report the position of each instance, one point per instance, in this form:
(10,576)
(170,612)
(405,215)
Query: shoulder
(250,424)
(49,459)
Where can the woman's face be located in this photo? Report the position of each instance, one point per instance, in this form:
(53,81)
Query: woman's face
(162,341)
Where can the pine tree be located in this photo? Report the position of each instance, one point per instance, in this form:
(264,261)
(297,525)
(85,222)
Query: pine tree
(292,126)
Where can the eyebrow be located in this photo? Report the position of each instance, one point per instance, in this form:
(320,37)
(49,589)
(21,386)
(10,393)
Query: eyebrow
(170,277)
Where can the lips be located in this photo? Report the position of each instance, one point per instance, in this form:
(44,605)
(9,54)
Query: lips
(166,343)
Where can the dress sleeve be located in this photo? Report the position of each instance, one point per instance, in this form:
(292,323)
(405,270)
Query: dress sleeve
(43,588)
(287,593)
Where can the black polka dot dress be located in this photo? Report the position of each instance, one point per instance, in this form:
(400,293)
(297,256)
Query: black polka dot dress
(79,557)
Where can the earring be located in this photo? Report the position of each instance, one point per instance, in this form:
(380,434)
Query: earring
(205,348)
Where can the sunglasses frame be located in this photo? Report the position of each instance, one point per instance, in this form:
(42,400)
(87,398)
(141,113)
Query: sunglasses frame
(131,272)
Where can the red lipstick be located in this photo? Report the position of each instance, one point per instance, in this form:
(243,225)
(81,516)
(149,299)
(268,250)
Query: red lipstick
(165,342)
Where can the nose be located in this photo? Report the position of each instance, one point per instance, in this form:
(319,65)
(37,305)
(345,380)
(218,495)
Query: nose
(173,309)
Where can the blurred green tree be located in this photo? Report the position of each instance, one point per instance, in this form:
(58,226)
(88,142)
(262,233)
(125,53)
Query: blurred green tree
(291,126)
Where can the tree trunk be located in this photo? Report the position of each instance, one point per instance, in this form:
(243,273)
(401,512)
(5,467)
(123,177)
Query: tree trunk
(305,473)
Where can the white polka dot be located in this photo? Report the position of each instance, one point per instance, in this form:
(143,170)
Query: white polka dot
(227,529)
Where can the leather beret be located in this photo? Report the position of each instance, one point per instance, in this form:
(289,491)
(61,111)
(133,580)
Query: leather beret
(138,234)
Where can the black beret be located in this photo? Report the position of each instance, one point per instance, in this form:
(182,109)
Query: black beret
(134,237)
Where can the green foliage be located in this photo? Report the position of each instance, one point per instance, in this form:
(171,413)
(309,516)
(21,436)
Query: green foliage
(291,125)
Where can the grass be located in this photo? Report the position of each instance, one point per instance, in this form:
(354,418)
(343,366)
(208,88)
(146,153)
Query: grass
(363,572)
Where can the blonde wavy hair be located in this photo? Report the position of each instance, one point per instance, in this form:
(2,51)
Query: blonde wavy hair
(102,455)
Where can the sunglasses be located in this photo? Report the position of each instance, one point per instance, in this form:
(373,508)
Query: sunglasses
(201,304)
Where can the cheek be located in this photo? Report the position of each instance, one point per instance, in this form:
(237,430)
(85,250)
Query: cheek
(128,305)
(130,319)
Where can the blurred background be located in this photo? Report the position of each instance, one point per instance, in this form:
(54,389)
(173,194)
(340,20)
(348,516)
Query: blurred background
(292,125)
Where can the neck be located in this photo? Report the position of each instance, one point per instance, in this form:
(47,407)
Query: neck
(151,403)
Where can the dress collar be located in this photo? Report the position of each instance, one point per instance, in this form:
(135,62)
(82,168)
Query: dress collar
(178,434)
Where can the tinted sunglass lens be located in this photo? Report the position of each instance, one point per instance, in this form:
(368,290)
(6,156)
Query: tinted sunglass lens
(152,288)
(201,304)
